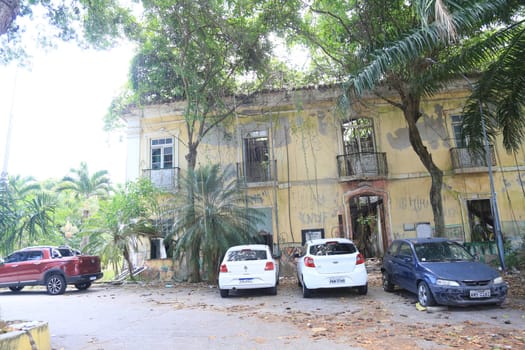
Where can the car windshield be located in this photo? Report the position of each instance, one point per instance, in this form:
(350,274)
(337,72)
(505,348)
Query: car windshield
(441,251)
(332,248)
(247,254)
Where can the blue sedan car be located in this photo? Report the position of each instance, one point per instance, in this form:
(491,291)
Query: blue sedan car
(441,271)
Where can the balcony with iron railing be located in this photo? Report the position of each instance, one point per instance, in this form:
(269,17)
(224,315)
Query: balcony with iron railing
(257,173)
(166,179)
(466,160)
(362,165)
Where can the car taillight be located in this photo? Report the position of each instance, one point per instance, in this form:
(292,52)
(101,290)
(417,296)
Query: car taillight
(224,268)
(269,266)
(309,261)
(360,259)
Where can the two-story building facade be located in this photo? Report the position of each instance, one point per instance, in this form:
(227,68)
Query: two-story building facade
(320,171)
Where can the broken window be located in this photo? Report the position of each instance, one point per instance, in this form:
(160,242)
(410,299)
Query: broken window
(257,156)
(358,135)
(460,140)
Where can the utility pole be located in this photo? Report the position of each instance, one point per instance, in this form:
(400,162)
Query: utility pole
(494,201)
(3,176)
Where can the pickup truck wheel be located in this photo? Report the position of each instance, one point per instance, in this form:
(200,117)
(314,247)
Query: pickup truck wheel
(16,288)
(83,286)
(55,284)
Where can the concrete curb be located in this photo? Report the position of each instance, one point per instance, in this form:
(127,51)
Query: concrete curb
(26,336)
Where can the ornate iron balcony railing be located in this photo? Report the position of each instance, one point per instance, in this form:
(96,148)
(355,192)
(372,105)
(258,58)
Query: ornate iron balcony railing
(464,158)
(253,172)
(362,164)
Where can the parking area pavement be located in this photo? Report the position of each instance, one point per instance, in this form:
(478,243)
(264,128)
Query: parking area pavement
(194,316)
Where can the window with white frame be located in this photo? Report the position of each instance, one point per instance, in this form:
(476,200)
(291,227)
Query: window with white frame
(162,153)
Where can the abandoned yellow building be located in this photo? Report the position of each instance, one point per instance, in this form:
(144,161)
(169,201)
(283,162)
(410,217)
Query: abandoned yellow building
(319,171)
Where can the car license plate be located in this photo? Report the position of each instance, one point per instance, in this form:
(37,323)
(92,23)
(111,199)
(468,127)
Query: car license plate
(92,278)
(245,280)
(337,280)
(485,293)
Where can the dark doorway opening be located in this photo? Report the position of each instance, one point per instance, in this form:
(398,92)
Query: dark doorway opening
(367,217)
(481,220)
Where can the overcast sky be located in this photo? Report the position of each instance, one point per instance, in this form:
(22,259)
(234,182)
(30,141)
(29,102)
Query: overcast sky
(57,113)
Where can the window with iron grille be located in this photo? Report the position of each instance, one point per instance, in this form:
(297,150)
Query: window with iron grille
(257,156)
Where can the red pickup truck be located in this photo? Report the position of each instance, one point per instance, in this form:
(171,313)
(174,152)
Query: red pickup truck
(52,267)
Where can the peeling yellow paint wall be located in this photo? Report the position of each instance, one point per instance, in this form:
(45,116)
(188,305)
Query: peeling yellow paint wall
(304,132)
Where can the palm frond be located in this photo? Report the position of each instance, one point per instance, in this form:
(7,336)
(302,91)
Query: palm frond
(420,42)
(500,90)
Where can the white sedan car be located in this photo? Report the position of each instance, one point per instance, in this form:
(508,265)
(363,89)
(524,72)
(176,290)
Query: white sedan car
(331,263)
(248,267)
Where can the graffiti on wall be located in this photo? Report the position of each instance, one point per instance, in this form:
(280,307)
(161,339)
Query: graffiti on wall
(416,204)
(312,218)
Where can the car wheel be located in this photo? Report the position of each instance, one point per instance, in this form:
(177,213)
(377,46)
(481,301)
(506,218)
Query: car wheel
(272,290)
(16,288)
(83,286)
(388,286)
(307,293)
(224,293)
(299,284)
(424,295)
(362,290)
(55,284)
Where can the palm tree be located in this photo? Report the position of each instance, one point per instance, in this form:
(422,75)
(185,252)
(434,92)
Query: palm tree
(86,186)
(213,215)
(496,55)
(26,214)
(114,230)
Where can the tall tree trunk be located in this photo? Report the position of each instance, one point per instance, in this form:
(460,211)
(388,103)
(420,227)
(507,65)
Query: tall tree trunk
(193,253)
(411,112)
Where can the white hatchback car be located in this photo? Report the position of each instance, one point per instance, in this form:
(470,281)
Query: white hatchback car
(248,267)
(331,263)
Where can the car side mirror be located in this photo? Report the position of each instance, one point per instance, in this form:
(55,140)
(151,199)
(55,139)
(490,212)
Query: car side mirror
(407,259)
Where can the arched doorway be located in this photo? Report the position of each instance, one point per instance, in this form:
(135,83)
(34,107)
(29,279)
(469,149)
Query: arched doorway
(367,220)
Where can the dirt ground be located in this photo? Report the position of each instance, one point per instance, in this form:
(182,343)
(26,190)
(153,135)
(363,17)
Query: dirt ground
(194,316)
(377,321)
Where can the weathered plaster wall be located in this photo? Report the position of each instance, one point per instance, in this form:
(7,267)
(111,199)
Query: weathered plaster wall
(305,136)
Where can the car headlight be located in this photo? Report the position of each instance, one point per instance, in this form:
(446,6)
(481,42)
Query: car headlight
(447,283)
(498,280)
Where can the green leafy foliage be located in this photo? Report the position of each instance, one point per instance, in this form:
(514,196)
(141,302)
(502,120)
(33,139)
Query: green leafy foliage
(114,231)
(85,185)
(212,214)
(26,214)
(96,23)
